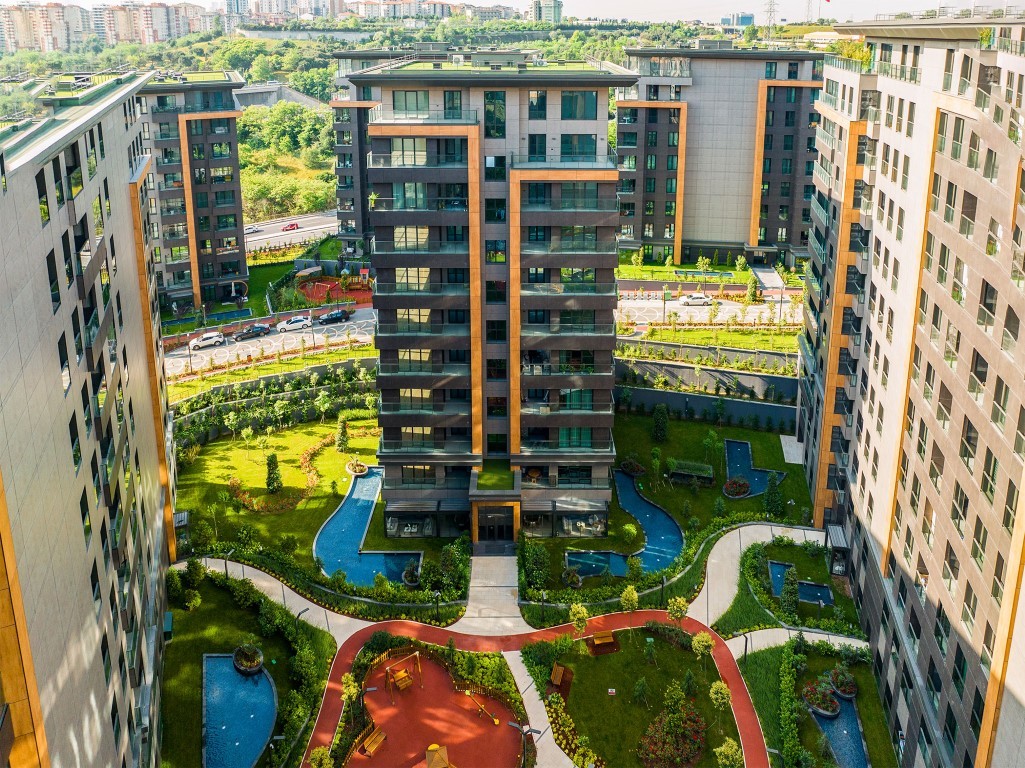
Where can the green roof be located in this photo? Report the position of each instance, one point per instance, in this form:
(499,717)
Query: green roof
(193,77)
(449,66)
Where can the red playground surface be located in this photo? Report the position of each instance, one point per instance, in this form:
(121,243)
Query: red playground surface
(436,714)
(323,290)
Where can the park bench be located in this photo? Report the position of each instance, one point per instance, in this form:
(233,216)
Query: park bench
(402,679)
(374,741)
(556,678)
(601,638)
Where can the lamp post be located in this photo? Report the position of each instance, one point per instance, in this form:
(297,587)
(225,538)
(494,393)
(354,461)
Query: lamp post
(299,616)
(523,731)
(663,598)
(437,609)
(230,553)
(544,600)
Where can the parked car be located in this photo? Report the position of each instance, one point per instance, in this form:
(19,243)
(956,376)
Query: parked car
(296,323)
(290,227)
(695,300)
(252,229)
(251,331)
(208,339)
(336,316)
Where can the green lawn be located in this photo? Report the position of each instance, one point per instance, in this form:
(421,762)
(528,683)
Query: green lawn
(615,724)
(744,613)
(259,278)
(217,626)
(179,390)
(495,475)
(632,435)
(813,569)
(760,339)
(200,483)
(666,274)
(761,673)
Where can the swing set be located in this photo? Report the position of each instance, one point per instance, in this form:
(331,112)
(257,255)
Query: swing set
(402,678)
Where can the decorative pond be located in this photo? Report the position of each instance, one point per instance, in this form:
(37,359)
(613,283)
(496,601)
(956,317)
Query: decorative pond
(844,734)
(238,713)
(807,591)
(740,464)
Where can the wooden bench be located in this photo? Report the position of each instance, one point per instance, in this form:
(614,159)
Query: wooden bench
(374,741)
(402,679)
(556,678)
(602,638)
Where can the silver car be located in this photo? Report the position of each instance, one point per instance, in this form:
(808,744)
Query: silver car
(209,339)
(695,300)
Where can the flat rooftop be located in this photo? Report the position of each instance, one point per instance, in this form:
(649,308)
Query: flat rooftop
(177,79)
(483,67)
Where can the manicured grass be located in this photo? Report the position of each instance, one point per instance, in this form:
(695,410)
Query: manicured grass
(761,673)
(615,724)
(632,435)
(259,278)
(200,484)
(760,338)
(668,274)
(744,613)
(813,569)
(179,390)
(495,475)
(870,711)
(217,626)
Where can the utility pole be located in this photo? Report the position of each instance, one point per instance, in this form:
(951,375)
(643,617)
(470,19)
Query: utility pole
(808,11)
(770,19)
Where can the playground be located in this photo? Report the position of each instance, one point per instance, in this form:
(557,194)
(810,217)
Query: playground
(319,288)
(414,705)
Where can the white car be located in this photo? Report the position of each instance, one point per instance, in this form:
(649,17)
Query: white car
(295,323)
(209,339)
(252,229)
(695,300)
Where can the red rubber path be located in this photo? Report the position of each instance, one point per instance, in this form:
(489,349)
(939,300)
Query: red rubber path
(751,739)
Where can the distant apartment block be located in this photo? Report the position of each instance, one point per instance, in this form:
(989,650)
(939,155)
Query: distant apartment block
(716,152)
(86,474)
(545,10)
(493,222)
(912,405)
(189,121)
(738,20)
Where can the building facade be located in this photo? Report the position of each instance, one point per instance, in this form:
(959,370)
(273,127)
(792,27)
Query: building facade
(189,120)
(911,400)
(86,487)
(492,200)
(716,152)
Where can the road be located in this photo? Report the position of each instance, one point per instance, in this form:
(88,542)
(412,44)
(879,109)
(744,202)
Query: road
(311,226)
(360,328)
(650,311)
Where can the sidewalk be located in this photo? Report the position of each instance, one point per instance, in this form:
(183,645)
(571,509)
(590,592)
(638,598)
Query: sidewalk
(768,278)
(761,639)
(492,606)
(722,573)
(549,754)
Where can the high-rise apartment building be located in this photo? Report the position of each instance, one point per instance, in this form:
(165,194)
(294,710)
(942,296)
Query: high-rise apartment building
(911,399)
(492,198)
(545,10)
(716,152)
(86,486)
(189,120)
(45,28)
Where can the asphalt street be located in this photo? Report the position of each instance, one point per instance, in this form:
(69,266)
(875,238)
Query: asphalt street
(270,233)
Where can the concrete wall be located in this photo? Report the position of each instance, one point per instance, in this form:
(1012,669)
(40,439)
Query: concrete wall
(739,409)
(269,94)
(726,353)
(760,385)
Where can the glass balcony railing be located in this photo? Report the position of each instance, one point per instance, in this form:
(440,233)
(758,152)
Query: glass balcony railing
(434,246)
(404,369)
(572,204)
(601,162)
(570,246)
(415,160)
(439,329)
(562,289)
(546,409)
(380,115)
(558,369)
(568,329)
(558,446)
(425,289)
(441,445)
(420,204)
(903,72)
(451,408)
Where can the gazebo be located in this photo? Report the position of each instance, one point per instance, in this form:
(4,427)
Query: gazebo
(839,549)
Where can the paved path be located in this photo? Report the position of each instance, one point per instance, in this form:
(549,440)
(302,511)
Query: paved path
(793,451)
(761,639)
(549,754)
(768,278)
(492,606)
(722,573)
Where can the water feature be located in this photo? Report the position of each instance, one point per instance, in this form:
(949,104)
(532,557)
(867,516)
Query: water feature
(338,543)
(807,591)
(739,463)
(663,537)
(238,713)
(844,734)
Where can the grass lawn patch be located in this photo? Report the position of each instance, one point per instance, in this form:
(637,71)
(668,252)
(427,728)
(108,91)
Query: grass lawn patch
(200,484)
(615,724)
(767,339)
(259,278)
(873,718)
(495,476)
(744,613)
(217,626)
(761,673)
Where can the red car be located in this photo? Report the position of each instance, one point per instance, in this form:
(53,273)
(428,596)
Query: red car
(290,227)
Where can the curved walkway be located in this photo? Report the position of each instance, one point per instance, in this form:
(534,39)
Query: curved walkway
(761,639)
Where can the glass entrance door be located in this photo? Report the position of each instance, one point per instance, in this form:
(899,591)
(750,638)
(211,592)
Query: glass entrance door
(495,524)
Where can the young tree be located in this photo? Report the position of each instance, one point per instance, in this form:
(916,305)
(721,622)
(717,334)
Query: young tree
(719,693)
(281,410)
(350,692)
(677,610)
(342,435)
(703,265)
(702,645)
(660,423)
(274,483)
(634,571)
(649,654)
(713,312)
(711,444)
(729,755)
(578,616)
(674,319)
(637,259)
(788,596)
(322,404)
(752,289)
(232,420)
(247,435)
(741,264)
(629,599)
(641,691)
(772,499)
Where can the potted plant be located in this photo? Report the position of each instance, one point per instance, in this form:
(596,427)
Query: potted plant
(736,488)
(632,467)
(571,578)
(248,658)
(372,199)
(818,695)
(355,467)
(843,682)
(411,574)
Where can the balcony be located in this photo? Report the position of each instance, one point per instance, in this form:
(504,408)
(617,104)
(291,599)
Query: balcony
(572,204)
(976,388)
(404,369)
(820,210)
(568,289)
(550,409)
(568,329)
(595,162)
(556,369)
(439,446)
(425,289)
(823,176)
(451,408)
(903,72)
(571,246)
(529,446)
(414,160)
(381,116)
(434,246)
(824,138)
(438,329)
(819,249)
(421,204)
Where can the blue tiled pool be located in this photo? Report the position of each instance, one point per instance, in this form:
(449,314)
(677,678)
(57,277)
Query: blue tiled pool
(739,463)
(807,591)
(844,734)
(663,537)
(338,542)
(238,713)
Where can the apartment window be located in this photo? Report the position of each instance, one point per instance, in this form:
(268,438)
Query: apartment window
(670,208)
(770,70)
(498,407)
(670,186)
(44,202)
(537,105)
(673,138)
(497,369)
(579,105)
(1010,507)
(494,168)
(628,140)
(453,101)
(496,331)
(495,251)
(651,162)
(767,165)
(76,447)
(770,94)
(87,525)
(494,114)
(494,209)
(968,609)
(791,95)
(959,508)
(792,70)
(411,102)
(672,162)
(495,291)
(578,145)
(770,118)
(789,118)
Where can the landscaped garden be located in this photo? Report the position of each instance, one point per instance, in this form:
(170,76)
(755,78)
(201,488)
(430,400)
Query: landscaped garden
(644,699)
(214,615)
(772,338)
(778,680)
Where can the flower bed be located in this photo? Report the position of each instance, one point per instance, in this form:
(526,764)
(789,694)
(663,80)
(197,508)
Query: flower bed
(632,467)
(843,682)
(736,488)
(674,738)
(355,467)
(818,695)
(248,659)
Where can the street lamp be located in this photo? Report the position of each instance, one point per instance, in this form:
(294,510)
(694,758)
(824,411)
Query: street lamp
(437,609)
(663,599)
(523,730)
(297,617)
(230,553)
(544,599)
